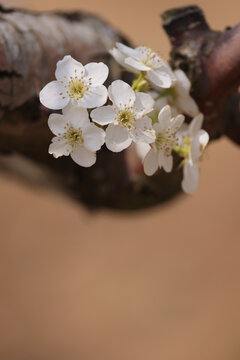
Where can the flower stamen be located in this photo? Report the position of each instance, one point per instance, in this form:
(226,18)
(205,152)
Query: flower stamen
(76,88)
(166,142)
(74,136)
(149,58)
(126,118)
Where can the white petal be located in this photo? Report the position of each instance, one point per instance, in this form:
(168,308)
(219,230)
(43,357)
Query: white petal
(97,72)
(183,131)
(51,98)
(83,157)
(169,71)
(157,127)
(199,143)
(103,115)
(182,80)
(203,138)
(144,103)
(142,149)
(68,67)
(154,94)
(150,163)
(164,117)
(78,118)
(135,64)
(93,137)
(190,177)
(175,111)
(59,147)
(121,94)
(195,125)
(159,78)
(160,103)
(68,107)
(120,57)
(165,68)
(117,138)
(143,131)
(165,161)
(144,123)
(57,124)
(147,55)
(94,97)
(126,50)
(176,123)
(187,105)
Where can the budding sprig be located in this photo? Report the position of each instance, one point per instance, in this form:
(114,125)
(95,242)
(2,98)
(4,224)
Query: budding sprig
(140,84)
(149,113)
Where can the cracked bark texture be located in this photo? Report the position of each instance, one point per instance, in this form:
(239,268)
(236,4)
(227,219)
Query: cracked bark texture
(30,46)
(211,59)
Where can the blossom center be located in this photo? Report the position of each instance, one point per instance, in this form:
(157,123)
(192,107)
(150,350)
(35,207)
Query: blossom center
(166,141)
(126,118)
(150,58)
(74,136)
(77,88)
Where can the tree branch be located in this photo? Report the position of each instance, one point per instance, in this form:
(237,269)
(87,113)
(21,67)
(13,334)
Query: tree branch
(212,61)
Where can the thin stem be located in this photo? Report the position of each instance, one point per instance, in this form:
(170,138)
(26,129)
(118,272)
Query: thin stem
(140,83)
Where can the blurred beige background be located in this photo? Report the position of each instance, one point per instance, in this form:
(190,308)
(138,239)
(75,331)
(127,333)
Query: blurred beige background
(162,284)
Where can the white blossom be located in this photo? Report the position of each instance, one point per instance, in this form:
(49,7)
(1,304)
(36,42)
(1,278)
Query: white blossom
(195,140)
(75,135)
(178,96)
(143,58)
(126,118)
(76,85)
(160,154)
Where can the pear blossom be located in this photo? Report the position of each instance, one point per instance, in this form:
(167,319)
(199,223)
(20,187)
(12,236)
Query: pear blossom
(76,136)
(144,59)
(76,84)
(178,96)
(126,118)
(195,141)
(160,154)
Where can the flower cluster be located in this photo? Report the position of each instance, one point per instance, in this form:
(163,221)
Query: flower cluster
(150,113)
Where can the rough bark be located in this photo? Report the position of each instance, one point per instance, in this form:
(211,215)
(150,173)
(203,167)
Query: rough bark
(30,46)
(212,61)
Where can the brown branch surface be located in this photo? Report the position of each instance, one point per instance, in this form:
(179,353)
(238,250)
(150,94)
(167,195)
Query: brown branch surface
(212,61)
